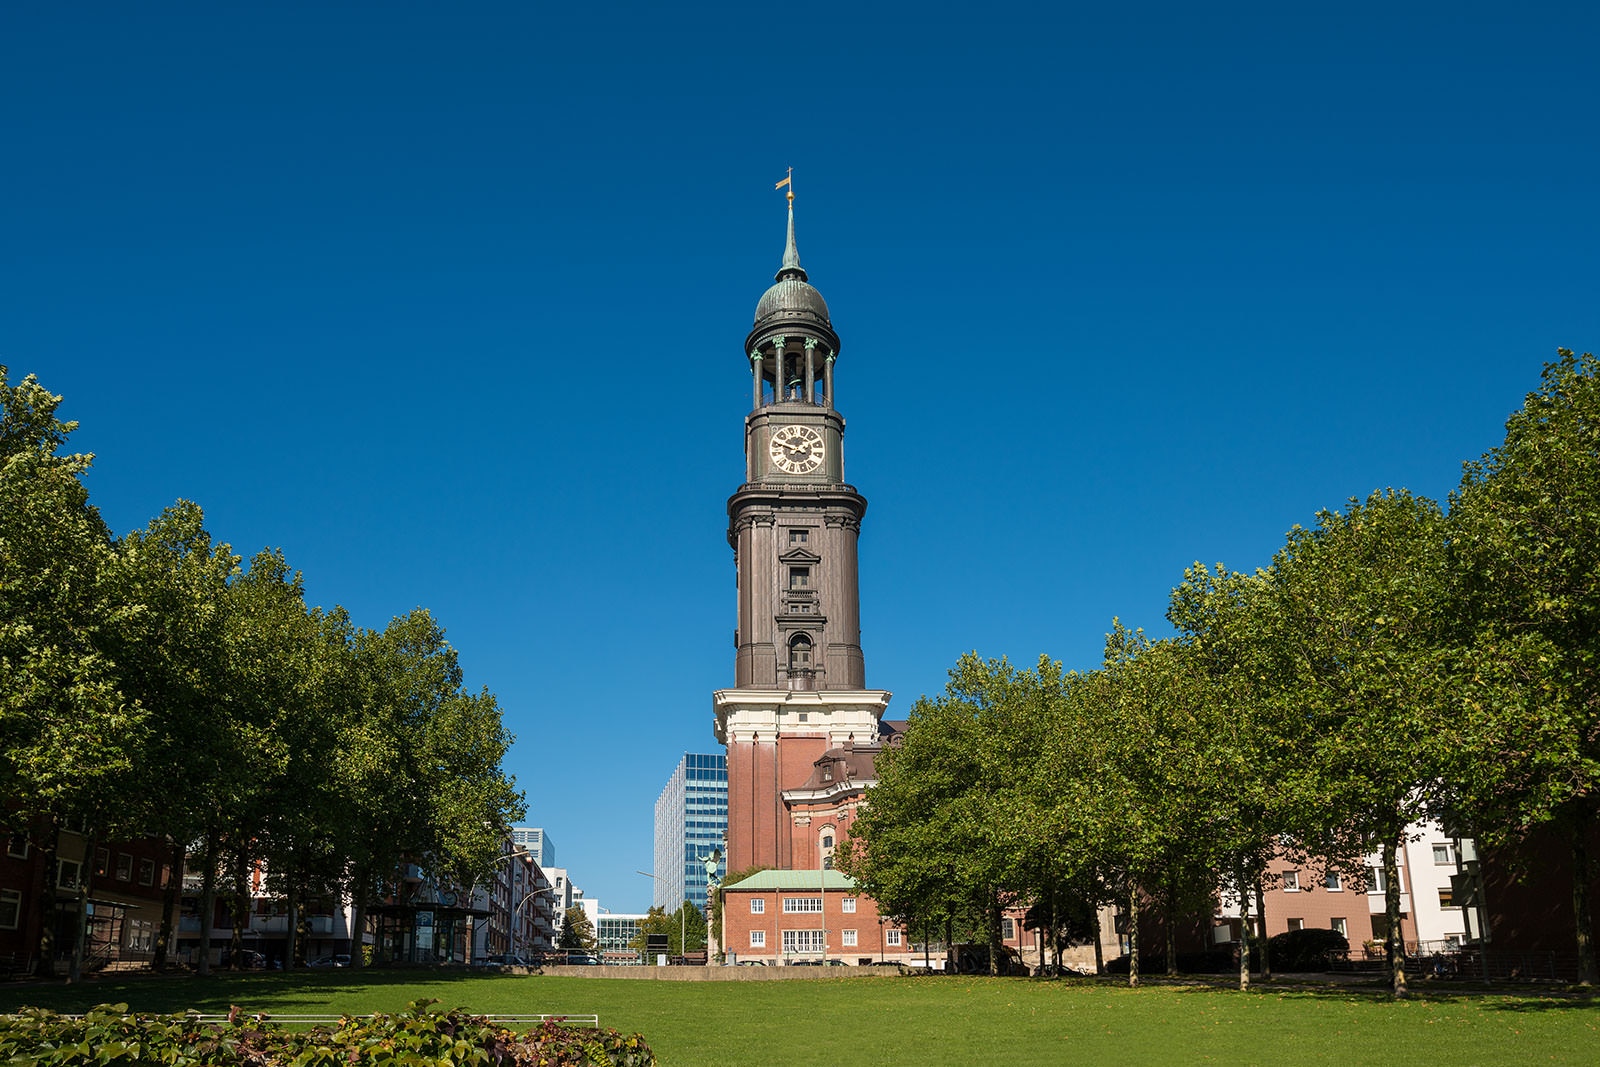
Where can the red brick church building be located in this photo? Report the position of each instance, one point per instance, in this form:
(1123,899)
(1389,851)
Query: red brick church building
(801,728)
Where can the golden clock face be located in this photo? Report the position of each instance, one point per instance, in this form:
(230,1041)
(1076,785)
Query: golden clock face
(796,449)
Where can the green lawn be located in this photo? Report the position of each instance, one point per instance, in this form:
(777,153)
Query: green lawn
(922,1020)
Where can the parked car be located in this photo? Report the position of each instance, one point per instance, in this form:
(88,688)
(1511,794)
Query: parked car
(340,960)
(582,959)
(248,958)
(503,959)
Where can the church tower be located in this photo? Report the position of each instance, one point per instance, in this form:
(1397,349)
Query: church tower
(799,675)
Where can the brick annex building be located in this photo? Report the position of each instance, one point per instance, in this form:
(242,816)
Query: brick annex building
(801,728)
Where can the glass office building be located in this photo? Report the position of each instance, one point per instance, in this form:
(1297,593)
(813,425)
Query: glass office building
(691,823)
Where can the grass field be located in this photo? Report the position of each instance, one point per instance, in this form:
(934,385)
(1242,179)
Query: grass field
(842,1022)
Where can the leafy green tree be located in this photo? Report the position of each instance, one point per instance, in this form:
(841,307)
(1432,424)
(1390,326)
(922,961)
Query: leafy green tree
(684,926)
(577,932)
(1525,526)
(168,643)
(1360,608)
(68,734)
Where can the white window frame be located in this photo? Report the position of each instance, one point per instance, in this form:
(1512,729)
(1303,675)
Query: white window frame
(124,867)
(758,906)
(758,939)
(1008,928)
(1339,926)
(802,905)
(1296,924)
(1443,854)
(1333,882)
(892,937)
(848,905)
(803,942)
(1379,882)
(1291,881)
(147,872)
(62,881)
(11,846)
(849,938)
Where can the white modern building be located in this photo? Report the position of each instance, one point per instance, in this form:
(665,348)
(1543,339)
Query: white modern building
(538,844)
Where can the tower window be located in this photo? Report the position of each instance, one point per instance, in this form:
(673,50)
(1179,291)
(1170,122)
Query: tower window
(799,537)
(799,577)
(800,653)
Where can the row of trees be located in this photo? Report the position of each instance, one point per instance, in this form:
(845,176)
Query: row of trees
(151,686)
(1393,662)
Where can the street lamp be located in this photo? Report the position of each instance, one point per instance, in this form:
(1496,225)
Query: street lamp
(516,912)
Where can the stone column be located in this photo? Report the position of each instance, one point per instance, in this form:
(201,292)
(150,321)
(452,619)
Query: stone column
(755,376)
(827,378)
(811,375)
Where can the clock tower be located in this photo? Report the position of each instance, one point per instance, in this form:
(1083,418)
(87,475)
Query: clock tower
(799,696)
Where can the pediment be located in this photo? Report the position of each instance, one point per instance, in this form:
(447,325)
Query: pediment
(799,555)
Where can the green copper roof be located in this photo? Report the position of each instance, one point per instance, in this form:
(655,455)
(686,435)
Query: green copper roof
(813,880)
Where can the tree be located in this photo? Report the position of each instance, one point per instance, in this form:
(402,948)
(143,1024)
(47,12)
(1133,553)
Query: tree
(169,646)
(577,932)
(684,929)
(68,734)
(1358,609)
(1526,533)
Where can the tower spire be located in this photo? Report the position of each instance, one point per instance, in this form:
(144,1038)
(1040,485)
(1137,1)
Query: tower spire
(791,267)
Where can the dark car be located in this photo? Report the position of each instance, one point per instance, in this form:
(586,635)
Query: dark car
(248,958)
(582,959)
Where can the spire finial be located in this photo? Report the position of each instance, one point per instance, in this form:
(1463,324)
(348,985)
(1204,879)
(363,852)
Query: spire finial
(791,255)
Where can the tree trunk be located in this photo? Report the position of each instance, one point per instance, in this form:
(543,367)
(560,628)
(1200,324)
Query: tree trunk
(171,901)
(208,903)
(1244,928)
(241,905)
(291,923)
(1261,912)
(49,855)
(1580,906)
(996,942)
(1170,912)
(1099,949)
(1133,935)
(80,924)
(358,919)
(1391,908)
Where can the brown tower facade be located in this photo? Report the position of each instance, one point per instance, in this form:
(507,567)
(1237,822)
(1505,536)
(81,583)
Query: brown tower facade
(799,673)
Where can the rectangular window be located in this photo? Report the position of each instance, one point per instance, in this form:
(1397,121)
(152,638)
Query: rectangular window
(18,846)
(1008,929)
(758,905)
(892,938)
(793,905)
(102,861)
(849,938)
(802,941)
(141,935)
(1333,883)
(1441,855)
(758,939)
(1297,924)
(1379,883)
(1291,881)
(147,872)
(67,874)
(849,906)
(799,577)
(1339,926)
(799,537)
(10,909)
(1447,898)
(124,867)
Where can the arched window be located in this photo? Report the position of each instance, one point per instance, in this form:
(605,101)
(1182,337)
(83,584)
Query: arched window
(800,653)
(825,840)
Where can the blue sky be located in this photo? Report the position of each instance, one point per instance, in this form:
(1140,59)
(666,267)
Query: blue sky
(447,302)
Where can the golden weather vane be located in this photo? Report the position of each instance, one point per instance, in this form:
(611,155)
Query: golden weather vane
(789,181)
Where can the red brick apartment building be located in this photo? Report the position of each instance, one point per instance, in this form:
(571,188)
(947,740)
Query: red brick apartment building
(127,882)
